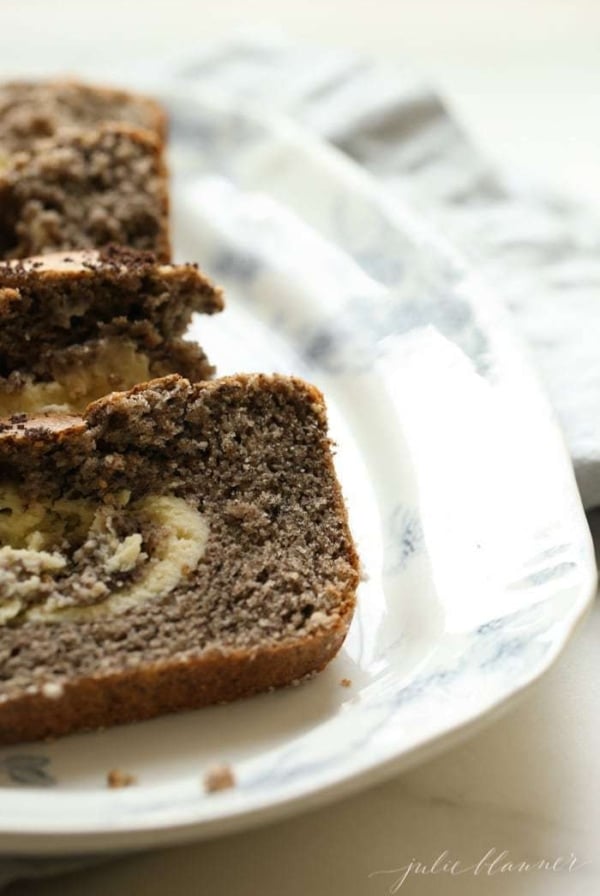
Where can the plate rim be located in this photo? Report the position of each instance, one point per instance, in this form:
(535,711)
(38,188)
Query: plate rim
(116,841)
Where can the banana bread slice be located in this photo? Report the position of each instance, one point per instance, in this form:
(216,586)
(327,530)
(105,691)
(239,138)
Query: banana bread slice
(83,190)
(75,326)
(178,545)
(32,110)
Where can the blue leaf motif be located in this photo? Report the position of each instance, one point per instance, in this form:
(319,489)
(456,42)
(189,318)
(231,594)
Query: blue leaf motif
(404,538)
(354,339)
(29,770)
(240,266)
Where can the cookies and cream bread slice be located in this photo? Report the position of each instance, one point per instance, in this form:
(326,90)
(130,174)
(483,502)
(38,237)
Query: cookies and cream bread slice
(177,545)
(33,110)
(84,189)
(75,326)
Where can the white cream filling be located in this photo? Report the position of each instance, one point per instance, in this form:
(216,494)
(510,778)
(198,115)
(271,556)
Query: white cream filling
(28,531)
(113,365)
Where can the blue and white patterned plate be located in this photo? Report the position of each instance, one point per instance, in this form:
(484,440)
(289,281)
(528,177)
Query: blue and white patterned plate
(477,559)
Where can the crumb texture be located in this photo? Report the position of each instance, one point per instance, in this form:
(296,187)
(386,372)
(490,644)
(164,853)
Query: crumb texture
(34,110)
(277,575)
(85,189)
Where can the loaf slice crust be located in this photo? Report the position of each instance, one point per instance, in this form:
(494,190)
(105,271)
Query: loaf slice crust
(76,326)
(84,190)
(34,110)
(266,599)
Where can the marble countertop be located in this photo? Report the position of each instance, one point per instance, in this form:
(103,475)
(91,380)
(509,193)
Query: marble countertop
(526,80)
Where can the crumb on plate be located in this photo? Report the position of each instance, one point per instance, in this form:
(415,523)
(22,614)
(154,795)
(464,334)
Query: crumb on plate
(219,777)
(116,778)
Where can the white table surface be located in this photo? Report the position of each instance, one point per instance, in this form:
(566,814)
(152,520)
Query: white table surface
(524,75)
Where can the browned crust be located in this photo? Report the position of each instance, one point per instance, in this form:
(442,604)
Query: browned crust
(60,427)
(150,691)
(157,116)
(40,429)
(112,262)
(174,381)
(156,113)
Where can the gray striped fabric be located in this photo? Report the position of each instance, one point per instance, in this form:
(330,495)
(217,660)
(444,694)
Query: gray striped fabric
(541,253)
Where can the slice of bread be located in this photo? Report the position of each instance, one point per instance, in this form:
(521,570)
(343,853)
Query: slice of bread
(83,190)
(76,326)
(178,545)
(33,110)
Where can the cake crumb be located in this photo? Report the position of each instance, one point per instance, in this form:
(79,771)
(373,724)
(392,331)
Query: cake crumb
(346,682)
(219,777)
(53,690)
(318,619)
(117,778)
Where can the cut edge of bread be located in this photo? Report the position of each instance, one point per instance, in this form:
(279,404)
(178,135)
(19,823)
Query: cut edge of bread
(158,689)
(215,675)
(163,249)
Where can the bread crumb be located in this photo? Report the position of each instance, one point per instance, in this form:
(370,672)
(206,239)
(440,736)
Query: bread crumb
(53,690)
(346,682)
(219,777)
(318,619)
(117,778)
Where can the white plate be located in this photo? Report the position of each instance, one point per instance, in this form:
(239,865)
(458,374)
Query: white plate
(477,557)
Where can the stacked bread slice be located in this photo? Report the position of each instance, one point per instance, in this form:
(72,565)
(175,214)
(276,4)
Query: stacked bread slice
(76,326)
(174,543)
(81,167)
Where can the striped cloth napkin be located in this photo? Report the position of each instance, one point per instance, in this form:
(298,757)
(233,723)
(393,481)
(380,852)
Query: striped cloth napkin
(539,252)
